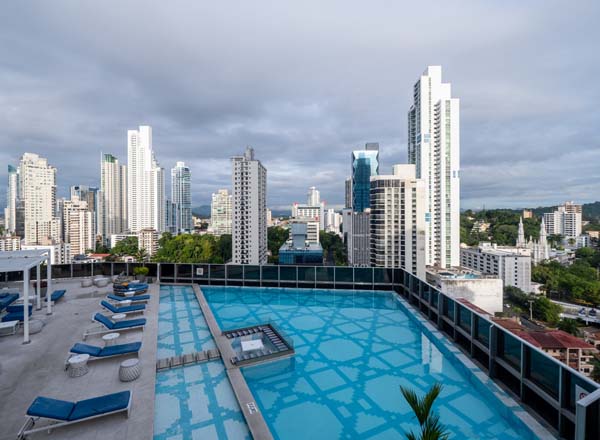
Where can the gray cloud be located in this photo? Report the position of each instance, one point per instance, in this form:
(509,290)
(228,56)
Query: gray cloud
(304,84)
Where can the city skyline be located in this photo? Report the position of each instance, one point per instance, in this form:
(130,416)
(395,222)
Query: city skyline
(515,122)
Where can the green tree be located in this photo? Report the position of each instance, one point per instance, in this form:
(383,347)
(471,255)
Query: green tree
(334,247)
(224,246)
(545,310)
(127,246)
(141,255)
(276,236)
(429,421)
(569,325)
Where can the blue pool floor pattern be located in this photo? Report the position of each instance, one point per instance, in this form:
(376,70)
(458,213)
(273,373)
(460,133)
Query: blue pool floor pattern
(196,401)
(182,328)
(353,351)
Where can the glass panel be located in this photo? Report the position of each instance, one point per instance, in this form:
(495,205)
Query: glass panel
(270,273)
(217,271)
(576,387)
(151,269)
(167,270)
(382,276)
(343,275)
(287,273)
(434,298)
(306,274)
(184,271)
(398,276)
(425,292)
(103,269)
(119,268)
(542,371)
(325,274)
(448,308)
(509,349)
(201,271)
(58,271)
(482,330)
(251,272)
(82,270)
(235,272)
(363,275)
(464,319)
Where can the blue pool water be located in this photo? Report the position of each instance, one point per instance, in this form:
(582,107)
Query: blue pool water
(353,351)
(192,402)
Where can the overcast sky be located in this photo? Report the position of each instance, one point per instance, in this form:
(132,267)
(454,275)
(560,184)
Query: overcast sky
(304,83)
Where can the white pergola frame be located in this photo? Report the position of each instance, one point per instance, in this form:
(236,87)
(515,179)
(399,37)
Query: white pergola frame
(24,261)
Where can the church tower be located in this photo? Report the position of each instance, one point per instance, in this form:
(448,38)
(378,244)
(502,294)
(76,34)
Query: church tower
(521,237)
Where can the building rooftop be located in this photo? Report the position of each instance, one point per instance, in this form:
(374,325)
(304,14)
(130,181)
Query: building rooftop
(545,339)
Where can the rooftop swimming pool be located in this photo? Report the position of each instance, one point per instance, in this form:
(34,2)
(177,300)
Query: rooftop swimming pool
(353,351)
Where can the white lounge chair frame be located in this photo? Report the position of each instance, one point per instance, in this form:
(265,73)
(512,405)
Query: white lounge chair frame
(31,420)
(102,330)
(131,312)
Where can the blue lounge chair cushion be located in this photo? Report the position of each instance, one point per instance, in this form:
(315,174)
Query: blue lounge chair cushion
(104,320)
(57,294)
(86,349)
(100,405)
(130,323)
(14,316)
(18,309)
(133,308)
(7,299)
(50,408)
(113,350)
(124,298)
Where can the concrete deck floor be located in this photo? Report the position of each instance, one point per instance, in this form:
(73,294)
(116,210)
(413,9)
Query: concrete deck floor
(37,369)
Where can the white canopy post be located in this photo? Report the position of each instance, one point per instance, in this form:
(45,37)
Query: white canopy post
(26,306)
(48,286)
(38,290)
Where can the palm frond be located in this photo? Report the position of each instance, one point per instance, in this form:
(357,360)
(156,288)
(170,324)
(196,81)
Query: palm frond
(432,429)
(415,403)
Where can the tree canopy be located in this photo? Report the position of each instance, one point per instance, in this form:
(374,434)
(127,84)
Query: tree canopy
(193,248)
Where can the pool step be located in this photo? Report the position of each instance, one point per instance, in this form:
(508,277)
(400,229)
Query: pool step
(187,359)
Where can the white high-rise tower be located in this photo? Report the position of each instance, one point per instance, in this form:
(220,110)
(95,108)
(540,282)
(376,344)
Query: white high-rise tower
(12,196)
(434,147)
(112,218)
(249,228)
(145,183)
(38,192)
(313,197)
(220,212)
(181,196)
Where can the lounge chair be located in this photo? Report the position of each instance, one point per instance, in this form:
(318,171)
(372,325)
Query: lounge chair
(15,313)
(105,352)
(109,326)
(62,413)
(137,298)
(57,294)
(6,299)
(136,308)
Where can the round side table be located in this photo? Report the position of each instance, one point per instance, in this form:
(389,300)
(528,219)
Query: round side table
(110,339)
(78,365)
(119,317)
(130,370)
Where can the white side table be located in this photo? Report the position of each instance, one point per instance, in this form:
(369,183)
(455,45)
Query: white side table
(78,365)
(130,370)
(110,339)
(8,328)
(119,317)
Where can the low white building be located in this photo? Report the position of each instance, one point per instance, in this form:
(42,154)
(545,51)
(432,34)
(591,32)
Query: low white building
(148,240)
(10,243)
(511,265)
(59,253)
(485,291)
(312,229)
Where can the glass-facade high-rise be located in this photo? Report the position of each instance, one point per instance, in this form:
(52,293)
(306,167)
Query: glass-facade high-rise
(365,163)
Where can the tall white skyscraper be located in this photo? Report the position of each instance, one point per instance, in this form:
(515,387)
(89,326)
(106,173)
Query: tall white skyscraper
(181,196)
(398,220)
(38,192)
(220,212)
(313,197)
(12,197)
(434,147)
(249,228)
(112,217)
(145,183)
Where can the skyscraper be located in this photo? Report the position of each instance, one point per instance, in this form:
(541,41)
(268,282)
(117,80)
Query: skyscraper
(90,195)
(145,183)
(565,220)
(112,218)
(181,196)
(78,225)
(38,192)
(365,163)
(398,221)
(313,197)
(220,212)
(12,197)
(434,147)
(249,228)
